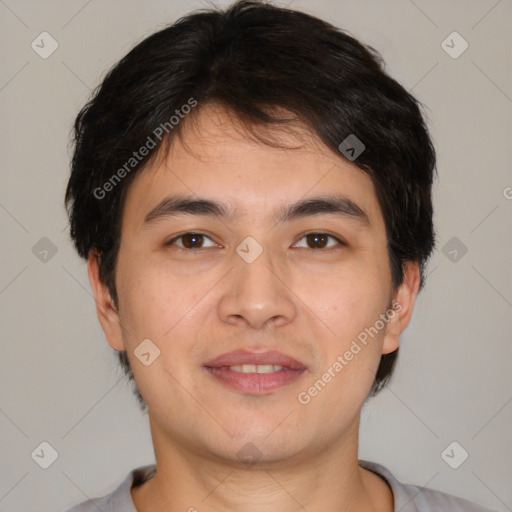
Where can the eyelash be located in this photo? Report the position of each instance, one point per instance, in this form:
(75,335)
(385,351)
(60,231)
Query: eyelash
(172,242)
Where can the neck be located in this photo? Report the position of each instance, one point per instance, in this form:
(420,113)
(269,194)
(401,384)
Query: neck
(331,479)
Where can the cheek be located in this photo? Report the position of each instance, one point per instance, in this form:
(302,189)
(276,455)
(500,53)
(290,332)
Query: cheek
(153,299)
(160,309)
(350,300)
(350,305)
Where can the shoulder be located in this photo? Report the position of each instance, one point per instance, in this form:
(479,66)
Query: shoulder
(120,499)
(427,500)
(413,498)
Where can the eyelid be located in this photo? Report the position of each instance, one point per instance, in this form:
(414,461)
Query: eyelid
(177,237)
(340,241)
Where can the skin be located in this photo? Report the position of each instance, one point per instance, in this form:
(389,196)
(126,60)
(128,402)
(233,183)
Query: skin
(307,302)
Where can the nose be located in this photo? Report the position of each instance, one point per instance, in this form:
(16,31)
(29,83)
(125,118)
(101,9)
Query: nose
(257,294)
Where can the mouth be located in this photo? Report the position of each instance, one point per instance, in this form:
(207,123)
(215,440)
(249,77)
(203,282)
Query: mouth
(255,372)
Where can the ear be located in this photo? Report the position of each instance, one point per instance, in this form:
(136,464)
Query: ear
(105,308)
(402,305)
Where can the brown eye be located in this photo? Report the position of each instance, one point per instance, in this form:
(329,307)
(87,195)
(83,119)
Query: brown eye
(191,241)
(319,241)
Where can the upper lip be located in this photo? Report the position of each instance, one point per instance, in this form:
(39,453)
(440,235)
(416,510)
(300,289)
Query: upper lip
(240,357)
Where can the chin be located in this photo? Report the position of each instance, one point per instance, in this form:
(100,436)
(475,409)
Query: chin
(258,452)
(260,444)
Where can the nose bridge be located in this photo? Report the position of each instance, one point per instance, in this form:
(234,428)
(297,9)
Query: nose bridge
(256,290)
(262,270)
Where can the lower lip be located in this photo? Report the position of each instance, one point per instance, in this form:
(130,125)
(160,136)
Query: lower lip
(255,383)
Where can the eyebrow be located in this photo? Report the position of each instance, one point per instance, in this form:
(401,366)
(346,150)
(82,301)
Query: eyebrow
(322,205)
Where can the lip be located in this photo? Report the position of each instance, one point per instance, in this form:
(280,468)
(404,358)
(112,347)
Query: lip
(255,383)
(239,357)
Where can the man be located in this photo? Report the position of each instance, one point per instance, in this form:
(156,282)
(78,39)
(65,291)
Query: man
(253,196)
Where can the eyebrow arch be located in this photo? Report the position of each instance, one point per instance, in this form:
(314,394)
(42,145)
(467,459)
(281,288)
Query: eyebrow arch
(322,205)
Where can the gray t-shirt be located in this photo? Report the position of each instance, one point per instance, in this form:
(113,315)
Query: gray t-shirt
(408,498)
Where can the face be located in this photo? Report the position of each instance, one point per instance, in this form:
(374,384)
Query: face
(284,261)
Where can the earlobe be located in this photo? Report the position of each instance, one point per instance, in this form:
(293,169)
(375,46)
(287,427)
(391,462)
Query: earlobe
(105,307)
(402,305)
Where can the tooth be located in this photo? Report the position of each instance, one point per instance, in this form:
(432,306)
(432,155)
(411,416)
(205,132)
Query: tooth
(264,368)
(253,368)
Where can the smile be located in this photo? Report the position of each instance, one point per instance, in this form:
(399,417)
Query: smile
(256,368)
(255,379)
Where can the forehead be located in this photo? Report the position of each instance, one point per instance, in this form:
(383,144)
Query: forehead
(216,157)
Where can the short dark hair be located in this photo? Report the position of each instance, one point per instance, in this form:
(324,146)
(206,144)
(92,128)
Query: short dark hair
(255,59)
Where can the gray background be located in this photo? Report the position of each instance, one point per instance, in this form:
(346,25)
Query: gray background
(59,378)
